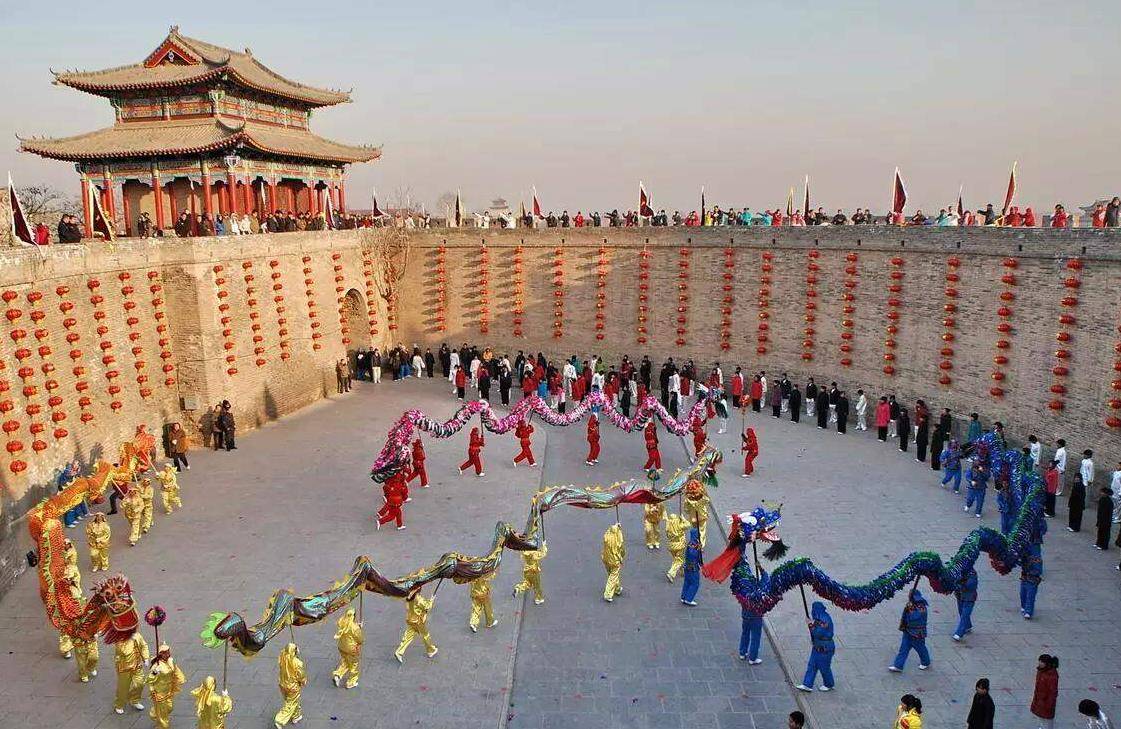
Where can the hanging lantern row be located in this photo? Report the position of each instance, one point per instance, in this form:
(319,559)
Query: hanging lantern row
(601,293)
(1004,327)
(810,316)
(949,320)
(105,345)
(849,308)
(894,304)
(7,405)
(484,289)
(252,305)
(391,300)
(642,329)
(519,291)
(312,314)
(1064,336)
(371,305)
(155,286)
(26,372)
(344,328)
(133,321)
(73,338)
(1113,418)
(224,318)
(281,310)
(682,296)
(764,326)
(50,384)
(558,292)
(728,300)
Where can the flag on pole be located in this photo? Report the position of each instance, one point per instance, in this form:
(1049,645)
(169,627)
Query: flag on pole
(328,213)
(521,214)
(1011,193)
(806,200)
(21,229)
(376,212)
(101,223)
(644,209)
(898,194)
(702,205)
(458,209)
(536,204)
(790,203)
(961,205)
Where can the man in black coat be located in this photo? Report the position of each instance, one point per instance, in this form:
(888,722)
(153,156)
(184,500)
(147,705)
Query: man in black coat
(821,406)
(842,412)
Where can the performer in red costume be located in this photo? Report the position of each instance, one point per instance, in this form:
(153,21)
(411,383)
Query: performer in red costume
(395,491)
(523,431)
(750,451)
(529,385)
(593,440)
(418,464)
(653,455)
(474,453)
(700,437)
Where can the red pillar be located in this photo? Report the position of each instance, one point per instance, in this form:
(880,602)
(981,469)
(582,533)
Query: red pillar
(87,213)
(272,197)
(171,203)
(245,193)
(313,199)
(342,197)
(110,205)
(157,192)
(207,203)
(334,192)
(126,211)
(231,194)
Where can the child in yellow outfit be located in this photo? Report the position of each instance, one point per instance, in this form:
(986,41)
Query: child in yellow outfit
(349,640)
(86,655)
(416,626)
(480,603)
(169,487)
(614,552)
(695,508)
(676,528)
(148,496)
(531,573)
(133,506)
(165,681)
(652,521)
(98,535)
(131,658)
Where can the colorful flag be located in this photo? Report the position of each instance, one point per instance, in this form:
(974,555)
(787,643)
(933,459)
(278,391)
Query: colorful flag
(644,209)
(376,212)
(961,205)
(328,212)
(521,214)
(1011,194)
(536,205)
(458,209)
(806,200)
(21,230)
(790,203)
(898,194)
(101,223)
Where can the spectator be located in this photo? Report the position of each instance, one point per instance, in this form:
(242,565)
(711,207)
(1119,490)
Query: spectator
(1075,505)
(1097,218)
(68,230)
(1061,218)
(177,447)
(983,710)
(989,213)
(1029,218)
(1095,717)
(909,713)
(797,720)
(1051,479)
(1115,487)
(1046,690)
(1105,518)
(1113,212)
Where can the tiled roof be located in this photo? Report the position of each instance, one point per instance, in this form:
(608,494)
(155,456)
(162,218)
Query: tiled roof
(203,62)
(163,138)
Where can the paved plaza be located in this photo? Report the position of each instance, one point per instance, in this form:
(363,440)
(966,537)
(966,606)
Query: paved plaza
(292,506)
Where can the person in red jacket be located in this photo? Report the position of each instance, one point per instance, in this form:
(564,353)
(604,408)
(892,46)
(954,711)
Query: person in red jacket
(523,433)
(700,437)
(460,383)
(756,393)
(418,465)
(653,455)
(529,385)
(883,418)
(579,387)
(474,453)
(737,388)
(1029,218)
(593,440)
(394,491)
(1060,218)
(750,451)
(1046,689)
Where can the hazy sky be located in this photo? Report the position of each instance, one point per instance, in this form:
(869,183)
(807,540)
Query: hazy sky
(584,99)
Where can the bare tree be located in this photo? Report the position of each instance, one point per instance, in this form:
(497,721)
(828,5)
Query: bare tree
(402,197)
(446,202)
(42,200)
(391,249)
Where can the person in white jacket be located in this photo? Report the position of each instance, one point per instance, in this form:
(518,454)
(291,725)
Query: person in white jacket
(453,366)
(861,411)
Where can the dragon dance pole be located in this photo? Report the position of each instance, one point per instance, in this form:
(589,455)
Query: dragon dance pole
(360,605)
(225,663)
(617,514)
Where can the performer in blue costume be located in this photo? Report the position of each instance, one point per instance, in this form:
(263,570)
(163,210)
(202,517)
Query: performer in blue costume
(821,652)
(966,594)
(694,558)
(913,627)
(951,464)
(978,483)
(1005,507)
(1031,571)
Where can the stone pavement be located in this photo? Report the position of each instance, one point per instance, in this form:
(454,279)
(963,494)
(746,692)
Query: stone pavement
(291,508)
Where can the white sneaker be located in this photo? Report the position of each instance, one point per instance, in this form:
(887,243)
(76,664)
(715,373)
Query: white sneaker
(121,711)
(482,474)
(335,680)
(473,628)
(756,662)
(923,668)
(957,637)
(138,706)
(804,687)
(825,688)
(538,601)
(493,623)
(434,652)
(893,669)
(67,654)
(93,672)
(965,508)
(978,516)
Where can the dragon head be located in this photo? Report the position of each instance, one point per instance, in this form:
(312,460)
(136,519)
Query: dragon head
(759,524)
(115,595)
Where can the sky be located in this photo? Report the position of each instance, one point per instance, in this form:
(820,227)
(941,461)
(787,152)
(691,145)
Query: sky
(585,99)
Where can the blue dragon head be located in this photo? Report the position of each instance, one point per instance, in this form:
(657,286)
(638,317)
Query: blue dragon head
(760,524)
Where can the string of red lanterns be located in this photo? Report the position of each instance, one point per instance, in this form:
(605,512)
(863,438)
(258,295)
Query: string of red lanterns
(11,426)
(105,344)
(50,384)
(949,320)
(344,329)
(764,302)
(1113,419)
(252,303)
(484,289)
(371,306)
(312,314)
(73,338)
(127,290)
(155,286)
(519,291)
(682,295)
(728,299)
(1067,320)
(849,308)
(811,304)
(601,293)
(278,300)
(27,373)
(641,330)
(558,292)
(1004,326)
(894,304)
(224,317)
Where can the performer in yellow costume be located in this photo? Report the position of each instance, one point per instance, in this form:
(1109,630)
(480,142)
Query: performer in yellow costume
(416,625)
(480,602)
(130,657)
(654,514)
(147,495)
(70,558)
(695,508)
(676,529)
(65,643)
(614,552)
(293,677)
(531,573)
(86,655)
(165,681)
(349,639)
(133,506)
(169,488)
(98,535)
(211,708)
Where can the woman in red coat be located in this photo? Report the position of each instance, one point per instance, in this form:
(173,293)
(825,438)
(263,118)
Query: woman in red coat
(523,433)
(700,437)
(418,464)
(460,383)
(474,453)
(1046,688)
(593,440)
(756,393)
(529,385)
(750,451)
(883,417)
